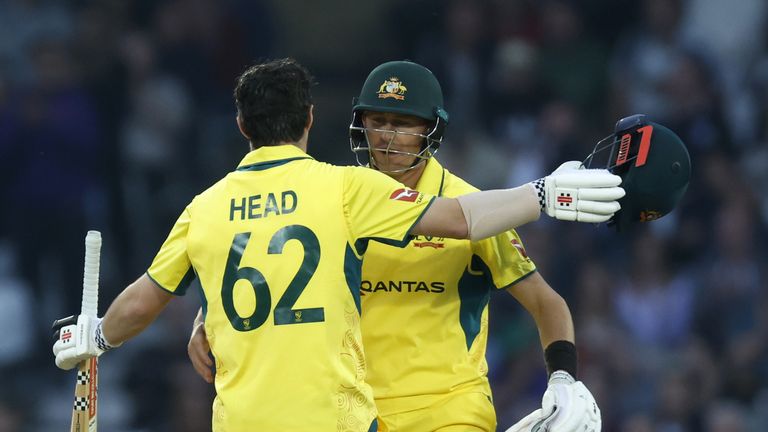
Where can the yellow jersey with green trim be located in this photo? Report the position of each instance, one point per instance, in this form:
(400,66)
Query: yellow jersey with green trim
(425,308)
(277,246)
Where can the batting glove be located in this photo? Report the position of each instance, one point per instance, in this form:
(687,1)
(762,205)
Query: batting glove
(78,337)
(573,193)
(567,406)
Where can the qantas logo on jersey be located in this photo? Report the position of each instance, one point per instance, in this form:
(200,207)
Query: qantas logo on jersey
(403,194)
(367,286)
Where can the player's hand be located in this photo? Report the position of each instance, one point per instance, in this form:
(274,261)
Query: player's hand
(77,338)
(573,193)
(198,350)
(527,423)
(567,406)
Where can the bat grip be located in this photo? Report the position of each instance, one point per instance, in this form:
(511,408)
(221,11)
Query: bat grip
(90,302)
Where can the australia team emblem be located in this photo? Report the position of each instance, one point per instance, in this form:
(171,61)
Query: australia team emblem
(392,88)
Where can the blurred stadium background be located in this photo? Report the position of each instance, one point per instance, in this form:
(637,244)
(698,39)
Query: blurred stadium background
(114,113)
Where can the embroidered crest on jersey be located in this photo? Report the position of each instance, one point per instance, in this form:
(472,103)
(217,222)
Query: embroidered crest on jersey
(429,241)
(429,244)
(392,88)
(404,194)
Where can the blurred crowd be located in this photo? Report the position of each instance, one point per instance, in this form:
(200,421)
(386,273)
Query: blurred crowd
(114,113)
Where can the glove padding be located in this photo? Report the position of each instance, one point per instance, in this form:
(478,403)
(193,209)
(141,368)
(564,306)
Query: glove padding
(573,193)
(567,406)
(78,337)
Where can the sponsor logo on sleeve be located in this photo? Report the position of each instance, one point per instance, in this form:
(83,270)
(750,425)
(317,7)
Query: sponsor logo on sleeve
(516,243)
(404,194)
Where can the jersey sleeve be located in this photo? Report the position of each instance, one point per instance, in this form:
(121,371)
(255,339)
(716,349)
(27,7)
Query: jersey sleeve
(379,208)
(505,258)
(172,268)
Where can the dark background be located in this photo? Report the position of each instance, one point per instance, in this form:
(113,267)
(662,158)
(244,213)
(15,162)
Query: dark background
(114,114)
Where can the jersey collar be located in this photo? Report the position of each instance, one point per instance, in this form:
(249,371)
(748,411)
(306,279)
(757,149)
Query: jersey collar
(432,179)
(271,156)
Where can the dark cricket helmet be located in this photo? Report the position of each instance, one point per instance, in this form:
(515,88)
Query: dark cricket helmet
(400,87)
(653,163)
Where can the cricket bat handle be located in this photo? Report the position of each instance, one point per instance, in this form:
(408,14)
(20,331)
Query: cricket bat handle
(90,303)
(86,390)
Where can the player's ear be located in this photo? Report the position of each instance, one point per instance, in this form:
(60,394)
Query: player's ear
(241,127)
(310,117)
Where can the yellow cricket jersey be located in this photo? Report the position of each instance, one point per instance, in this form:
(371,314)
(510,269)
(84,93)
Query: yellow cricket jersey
(425,308)
(277,247)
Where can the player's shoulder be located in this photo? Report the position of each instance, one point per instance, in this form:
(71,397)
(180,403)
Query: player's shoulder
(204,198)
(365,175)
(454,186)
(212,190)
(358,170)
(314,167)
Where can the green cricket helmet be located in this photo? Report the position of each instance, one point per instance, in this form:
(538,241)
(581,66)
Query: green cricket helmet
(654,166)
(400,87)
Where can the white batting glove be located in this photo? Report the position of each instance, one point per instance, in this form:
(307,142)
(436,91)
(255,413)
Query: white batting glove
(78,338)
(567,406)
(573,193)
(526,424)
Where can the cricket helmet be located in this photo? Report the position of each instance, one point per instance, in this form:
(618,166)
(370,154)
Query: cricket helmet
(653,163)
(400,87)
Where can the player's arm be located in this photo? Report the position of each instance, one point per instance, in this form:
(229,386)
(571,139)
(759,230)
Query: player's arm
(198,349)
(567,404)
(549,311)
(444,218)
(131,312)
(142,301)
(569,193)
(480,214)
(134,309)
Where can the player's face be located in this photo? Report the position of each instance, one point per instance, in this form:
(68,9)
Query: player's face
(394,139)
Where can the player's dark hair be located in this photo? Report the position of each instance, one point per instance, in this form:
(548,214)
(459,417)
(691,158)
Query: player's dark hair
(273,100)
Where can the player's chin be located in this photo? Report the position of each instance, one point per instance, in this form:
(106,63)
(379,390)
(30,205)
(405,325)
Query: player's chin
(393,163)
(391,168)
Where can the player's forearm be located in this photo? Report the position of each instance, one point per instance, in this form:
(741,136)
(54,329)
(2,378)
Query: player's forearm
(546,307)
(480,214)
(133,310)
(493,212)
(554,321)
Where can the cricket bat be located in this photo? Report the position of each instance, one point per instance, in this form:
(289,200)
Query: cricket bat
(86,389)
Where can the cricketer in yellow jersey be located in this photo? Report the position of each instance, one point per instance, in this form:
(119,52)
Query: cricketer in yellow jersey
(277,246)
(425,319)
(425,307)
